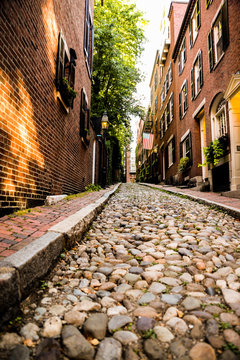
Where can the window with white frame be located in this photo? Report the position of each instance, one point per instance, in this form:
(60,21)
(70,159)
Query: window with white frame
(195,23)
(182,56)
(88,36)
(171,108)
(197,76)
(219,120)
(218,37)
(170,152)
(186,147)
(183,100)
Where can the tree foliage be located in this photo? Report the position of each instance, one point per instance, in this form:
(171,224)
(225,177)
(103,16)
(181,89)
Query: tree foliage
(118,39)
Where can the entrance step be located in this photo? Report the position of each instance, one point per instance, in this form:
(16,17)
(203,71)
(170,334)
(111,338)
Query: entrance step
(232,194)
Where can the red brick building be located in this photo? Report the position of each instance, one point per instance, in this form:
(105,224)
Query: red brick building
(205,88)
(47,143)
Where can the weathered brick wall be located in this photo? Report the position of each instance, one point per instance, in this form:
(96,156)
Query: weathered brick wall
(40,146)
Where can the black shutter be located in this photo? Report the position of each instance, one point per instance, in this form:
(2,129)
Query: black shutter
(210,49)
(82,115)
(190,144)
(180,105)
(225,31)
(60,61)
(190,34)
(198,14)
(86,28)
(186,95)
(179,63)
(200,68)
(192,84)
(181,150)
(171,74)
(172,107)
(173,149)
(166,157)
(184,50)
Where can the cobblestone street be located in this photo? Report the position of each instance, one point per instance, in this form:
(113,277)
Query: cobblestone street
(157,276)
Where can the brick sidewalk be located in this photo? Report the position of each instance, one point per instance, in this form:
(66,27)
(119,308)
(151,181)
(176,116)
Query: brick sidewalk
(17,231)
(210,196)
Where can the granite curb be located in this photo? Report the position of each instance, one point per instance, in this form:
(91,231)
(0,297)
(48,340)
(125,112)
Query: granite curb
(21,270)
(228,209)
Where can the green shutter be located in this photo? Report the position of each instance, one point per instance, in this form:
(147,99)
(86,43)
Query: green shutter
(180,105)
(192,84)
(200,68)
(198,14)
(225,31)
(210,50)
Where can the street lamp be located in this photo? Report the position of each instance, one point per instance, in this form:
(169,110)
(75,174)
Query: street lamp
(105,121)
(105,124)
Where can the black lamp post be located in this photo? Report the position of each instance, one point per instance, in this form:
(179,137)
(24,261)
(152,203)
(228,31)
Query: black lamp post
(105,124)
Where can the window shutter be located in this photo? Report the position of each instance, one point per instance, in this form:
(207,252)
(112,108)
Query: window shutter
(166,157)
(181,150)
(184,50)
(60,61)
(173,149)
(179,63)
(186,95)
(190,145)
(200,68)
(192,84)
(190,34)
(171,74)
(180,105)
(172,107)
(208,2)
(225,31)
(82,114)
(198,14)
(92,34)
(86,28)
(210,50)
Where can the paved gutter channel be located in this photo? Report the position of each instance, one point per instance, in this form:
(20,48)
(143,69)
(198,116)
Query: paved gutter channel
(20,271)
(228,209)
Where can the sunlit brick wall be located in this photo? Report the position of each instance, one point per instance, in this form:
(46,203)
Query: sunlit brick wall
(41,152)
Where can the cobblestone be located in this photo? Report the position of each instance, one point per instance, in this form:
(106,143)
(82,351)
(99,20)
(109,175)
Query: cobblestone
(159,275)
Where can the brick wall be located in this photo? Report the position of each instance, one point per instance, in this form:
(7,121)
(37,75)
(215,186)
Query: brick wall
(41,150)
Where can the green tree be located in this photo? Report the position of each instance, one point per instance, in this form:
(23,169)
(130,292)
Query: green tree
(118,43)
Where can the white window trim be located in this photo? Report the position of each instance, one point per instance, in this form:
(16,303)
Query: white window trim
(185,135)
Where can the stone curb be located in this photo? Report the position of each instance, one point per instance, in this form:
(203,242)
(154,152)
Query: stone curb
(20,271)
(228,209)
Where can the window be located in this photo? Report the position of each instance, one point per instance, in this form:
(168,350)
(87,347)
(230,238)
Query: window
(155,80)
(171,108)
(182,57)
(170,74)
(162,127)
(160,73)
(88,37)
(218,37)
(195,23)
(163,93)
(156,127)
(156,104)
(183,100)
(151,96)
(84,118)
(196,76)
(65,74)
(186,147)
(219,120)
(208,3)
(170,153)
(167,114)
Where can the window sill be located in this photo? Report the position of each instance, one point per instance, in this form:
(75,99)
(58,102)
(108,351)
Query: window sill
(62,102)
(195,97)
(194,41)
(170,165)
(219,60)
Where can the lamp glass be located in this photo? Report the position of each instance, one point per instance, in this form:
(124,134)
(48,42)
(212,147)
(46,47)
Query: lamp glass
(105,121)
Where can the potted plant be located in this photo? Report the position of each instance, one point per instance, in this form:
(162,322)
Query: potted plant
(184,164)
(68,94)
(214,152)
